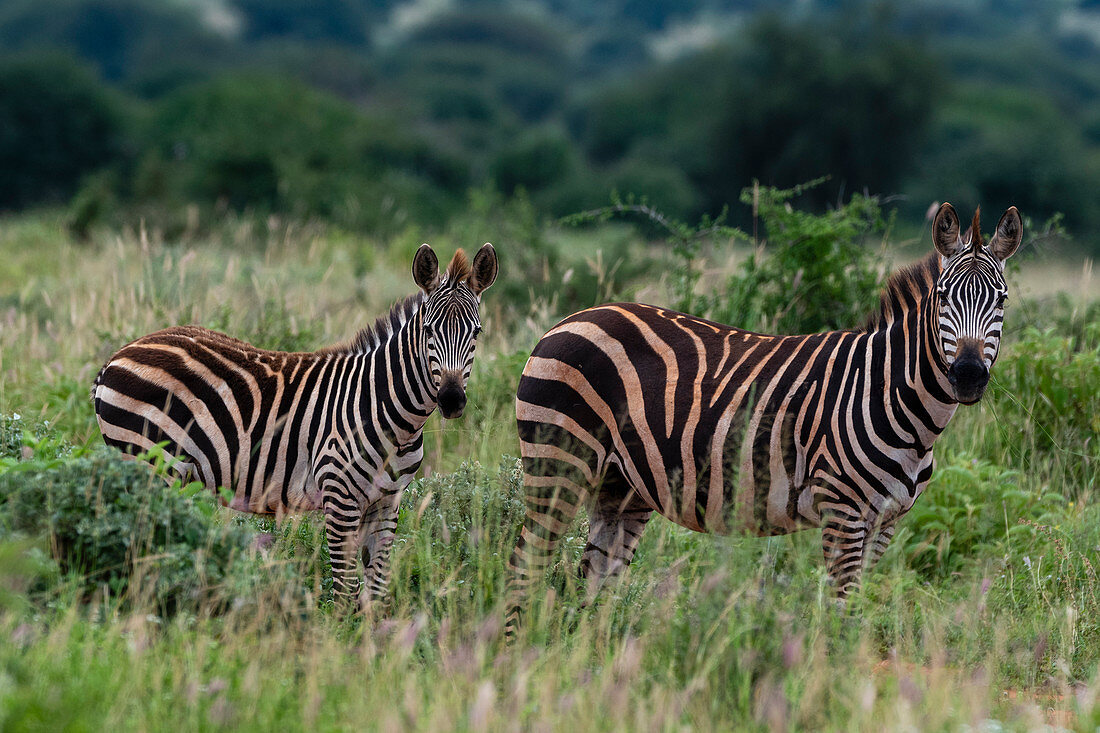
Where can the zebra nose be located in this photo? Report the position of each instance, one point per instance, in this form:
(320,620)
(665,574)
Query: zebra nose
(452,400)
(968,377)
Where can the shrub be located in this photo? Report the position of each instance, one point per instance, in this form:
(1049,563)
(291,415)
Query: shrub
(18,435)
(463,524)
(269,325)
(810,273)
(123,530)
(970,509)
(456,532)
(544,269)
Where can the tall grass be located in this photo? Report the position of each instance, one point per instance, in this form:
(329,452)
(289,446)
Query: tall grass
(984,612)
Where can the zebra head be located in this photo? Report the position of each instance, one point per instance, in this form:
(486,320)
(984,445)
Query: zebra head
(970,296)
(450,320)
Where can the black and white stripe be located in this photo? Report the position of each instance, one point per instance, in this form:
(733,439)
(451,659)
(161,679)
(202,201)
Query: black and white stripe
(337,430)
(630,409)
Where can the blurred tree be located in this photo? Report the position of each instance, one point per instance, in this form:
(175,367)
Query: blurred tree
(536,161)
(120,37)
(663,185)
(275,145)
(495,27)
(999,146)
(656,14)
(804,103)
(621,48)
(57,124)
(786,104)
(485,65)
(339,21)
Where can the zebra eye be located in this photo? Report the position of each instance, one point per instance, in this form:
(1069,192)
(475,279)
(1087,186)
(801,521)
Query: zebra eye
(477,331)
(1001,300)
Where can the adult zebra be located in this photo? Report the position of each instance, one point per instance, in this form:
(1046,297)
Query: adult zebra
(338,429)
(630,409)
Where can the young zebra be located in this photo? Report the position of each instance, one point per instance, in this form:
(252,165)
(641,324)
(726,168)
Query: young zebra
(337,430)
(630,409)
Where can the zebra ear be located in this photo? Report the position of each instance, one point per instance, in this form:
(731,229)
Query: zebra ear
(1009,234)
(945,231)
(426,269)
(484,270)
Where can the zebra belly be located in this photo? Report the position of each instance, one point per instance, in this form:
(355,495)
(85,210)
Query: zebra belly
(746,473)
(298,492)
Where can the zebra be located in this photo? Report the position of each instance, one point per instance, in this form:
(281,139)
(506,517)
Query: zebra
(631,409)
(337,430)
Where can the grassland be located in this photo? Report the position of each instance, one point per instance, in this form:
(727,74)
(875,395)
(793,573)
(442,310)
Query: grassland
(983,615)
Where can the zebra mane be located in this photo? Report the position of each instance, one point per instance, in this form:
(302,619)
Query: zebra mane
(385,325)
(904,289)
(459,269)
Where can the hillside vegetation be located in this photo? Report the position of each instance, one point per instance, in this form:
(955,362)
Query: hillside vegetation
(380,115)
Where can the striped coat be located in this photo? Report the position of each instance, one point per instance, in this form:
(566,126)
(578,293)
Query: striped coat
(337,430)
(630,409)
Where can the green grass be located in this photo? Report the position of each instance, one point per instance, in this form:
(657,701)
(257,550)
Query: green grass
(986,607)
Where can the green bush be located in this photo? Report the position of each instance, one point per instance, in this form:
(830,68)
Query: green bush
(542,268)
(270,325)
(121,529)
(463,523)
(18,436)
(971,509)
(1061,373)
(810,272)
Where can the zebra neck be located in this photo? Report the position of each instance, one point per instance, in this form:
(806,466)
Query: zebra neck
(398,383)
(925,380)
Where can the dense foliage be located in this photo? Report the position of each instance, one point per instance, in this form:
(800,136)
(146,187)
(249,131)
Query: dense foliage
(119,530)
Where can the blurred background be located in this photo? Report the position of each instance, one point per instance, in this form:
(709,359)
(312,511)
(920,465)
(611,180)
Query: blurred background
(380,115)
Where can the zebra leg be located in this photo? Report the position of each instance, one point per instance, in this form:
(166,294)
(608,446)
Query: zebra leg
(552,502)
(343,519)
(380,518)
(379,528)
(880,540)
(616,518)
(844,541)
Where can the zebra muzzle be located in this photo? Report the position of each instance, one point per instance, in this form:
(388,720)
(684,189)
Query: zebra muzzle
(968,378)
(451,398)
